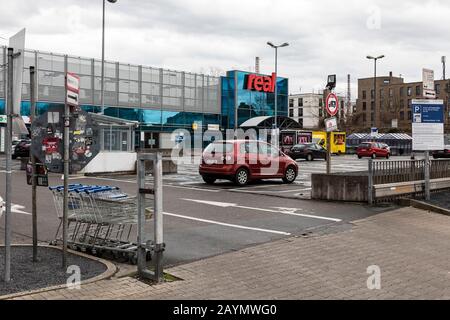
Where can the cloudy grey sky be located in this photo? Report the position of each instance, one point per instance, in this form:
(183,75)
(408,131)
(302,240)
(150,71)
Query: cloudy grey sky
(210,35)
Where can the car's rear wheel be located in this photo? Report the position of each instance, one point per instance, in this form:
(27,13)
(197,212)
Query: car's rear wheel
(309,157)
(242,177)
(359,157)
(388,156)
(290,175)
(209,179)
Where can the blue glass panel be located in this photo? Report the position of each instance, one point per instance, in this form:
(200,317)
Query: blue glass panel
(151,116)
(2,107)
(170,118)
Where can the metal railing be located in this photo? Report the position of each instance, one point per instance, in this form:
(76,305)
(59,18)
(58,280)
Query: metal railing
(404,178)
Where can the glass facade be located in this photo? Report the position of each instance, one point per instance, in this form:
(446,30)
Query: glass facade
(160,99)
(249,103)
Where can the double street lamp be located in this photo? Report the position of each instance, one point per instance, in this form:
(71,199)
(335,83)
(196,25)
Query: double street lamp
(375,59)
(275,126)
(102,98)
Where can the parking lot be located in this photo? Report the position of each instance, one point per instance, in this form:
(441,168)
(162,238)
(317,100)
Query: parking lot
(202,220)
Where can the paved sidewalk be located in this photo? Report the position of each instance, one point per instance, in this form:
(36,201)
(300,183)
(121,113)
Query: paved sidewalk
(412,248)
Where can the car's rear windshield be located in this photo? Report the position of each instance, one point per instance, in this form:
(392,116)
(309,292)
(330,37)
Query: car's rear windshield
(219,148)
(365,145)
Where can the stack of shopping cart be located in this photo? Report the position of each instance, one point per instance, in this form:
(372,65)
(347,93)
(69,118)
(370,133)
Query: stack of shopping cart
(100,220)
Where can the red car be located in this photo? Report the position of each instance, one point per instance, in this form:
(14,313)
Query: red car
(242,161)
(373,150)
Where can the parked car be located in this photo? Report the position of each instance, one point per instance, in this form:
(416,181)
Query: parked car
(242,161)
(308,151)
(14,144)
(442,153)
(22,149)
(373,150)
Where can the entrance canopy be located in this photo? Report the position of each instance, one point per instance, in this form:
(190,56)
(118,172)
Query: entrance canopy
(283,123)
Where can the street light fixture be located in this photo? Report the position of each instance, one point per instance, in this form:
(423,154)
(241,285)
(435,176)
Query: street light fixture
(102,98)
(375,59)
(276,78)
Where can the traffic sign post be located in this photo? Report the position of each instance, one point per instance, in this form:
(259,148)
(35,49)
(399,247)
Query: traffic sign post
(72,91)
(332,107)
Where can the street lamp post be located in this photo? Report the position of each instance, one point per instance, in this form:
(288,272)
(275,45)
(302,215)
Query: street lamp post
(102,97)
(375,59)
(276,79)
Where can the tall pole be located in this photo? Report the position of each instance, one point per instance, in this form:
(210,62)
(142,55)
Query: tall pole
(102,98)
(375,92)
(33,163)
(276,88)
(66,172)
(8,151)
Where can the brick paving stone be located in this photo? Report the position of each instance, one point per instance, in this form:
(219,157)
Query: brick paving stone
(411,247)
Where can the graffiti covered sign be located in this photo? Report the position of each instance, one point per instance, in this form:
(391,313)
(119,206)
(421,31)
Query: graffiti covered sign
(48,145)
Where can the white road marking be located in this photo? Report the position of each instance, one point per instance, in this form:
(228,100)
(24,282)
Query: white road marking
(17,208)
(194,189)
(227,224)
(285,212)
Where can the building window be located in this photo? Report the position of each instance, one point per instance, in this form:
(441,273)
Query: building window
(364,106)
(291,103)
(391,92)
(291,113)
(417,90)
(300,112)
(300,102)
(409,91)
(382,93)
(409,103)
(364,94)
(402,115)
(372,94)
(438,88)
(364,118)
(402,91)
(402,103)
(300,121)
(372,105)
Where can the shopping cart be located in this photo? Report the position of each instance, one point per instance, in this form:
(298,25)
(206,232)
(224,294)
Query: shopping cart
(100,220)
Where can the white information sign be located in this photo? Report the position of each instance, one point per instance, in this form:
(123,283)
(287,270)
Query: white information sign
(428,125)
(331,124)
(428,84)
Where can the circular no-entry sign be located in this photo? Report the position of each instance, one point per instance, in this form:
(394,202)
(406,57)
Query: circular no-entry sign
(332,104)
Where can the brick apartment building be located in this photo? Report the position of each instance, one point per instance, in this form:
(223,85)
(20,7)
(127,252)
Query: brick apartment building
(393,99)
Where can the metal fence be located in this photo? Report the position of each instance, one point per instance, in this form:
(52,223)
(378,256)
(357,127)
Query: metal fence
(394,177)
(385,172)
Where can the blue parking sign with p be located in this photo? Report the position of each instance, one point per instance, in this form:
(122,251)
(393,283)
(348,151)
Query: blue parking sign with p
(428,112)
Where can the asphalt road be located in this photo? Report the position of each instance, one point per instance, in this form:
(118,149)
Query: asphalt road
(202,221)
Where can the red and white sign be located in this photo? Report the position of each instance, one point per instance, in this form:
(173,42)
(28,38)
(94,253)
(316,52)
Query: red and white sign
(261,83)
(332,104)
(73,82)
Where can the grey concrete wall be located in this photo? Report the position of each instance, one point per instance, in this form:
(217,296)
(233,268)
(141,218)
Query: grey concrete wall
(340,187)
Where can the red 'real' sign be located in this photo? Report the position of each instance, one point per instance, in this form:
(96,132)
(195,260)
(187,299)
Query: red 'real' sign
(261,83)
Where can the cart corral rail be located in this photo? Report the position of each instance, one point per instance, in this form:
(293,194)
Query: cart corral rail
(101,220)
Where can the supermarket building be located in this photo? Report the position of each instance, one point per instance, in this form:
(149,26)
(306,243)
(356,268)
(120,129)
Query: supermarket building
(160,100)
